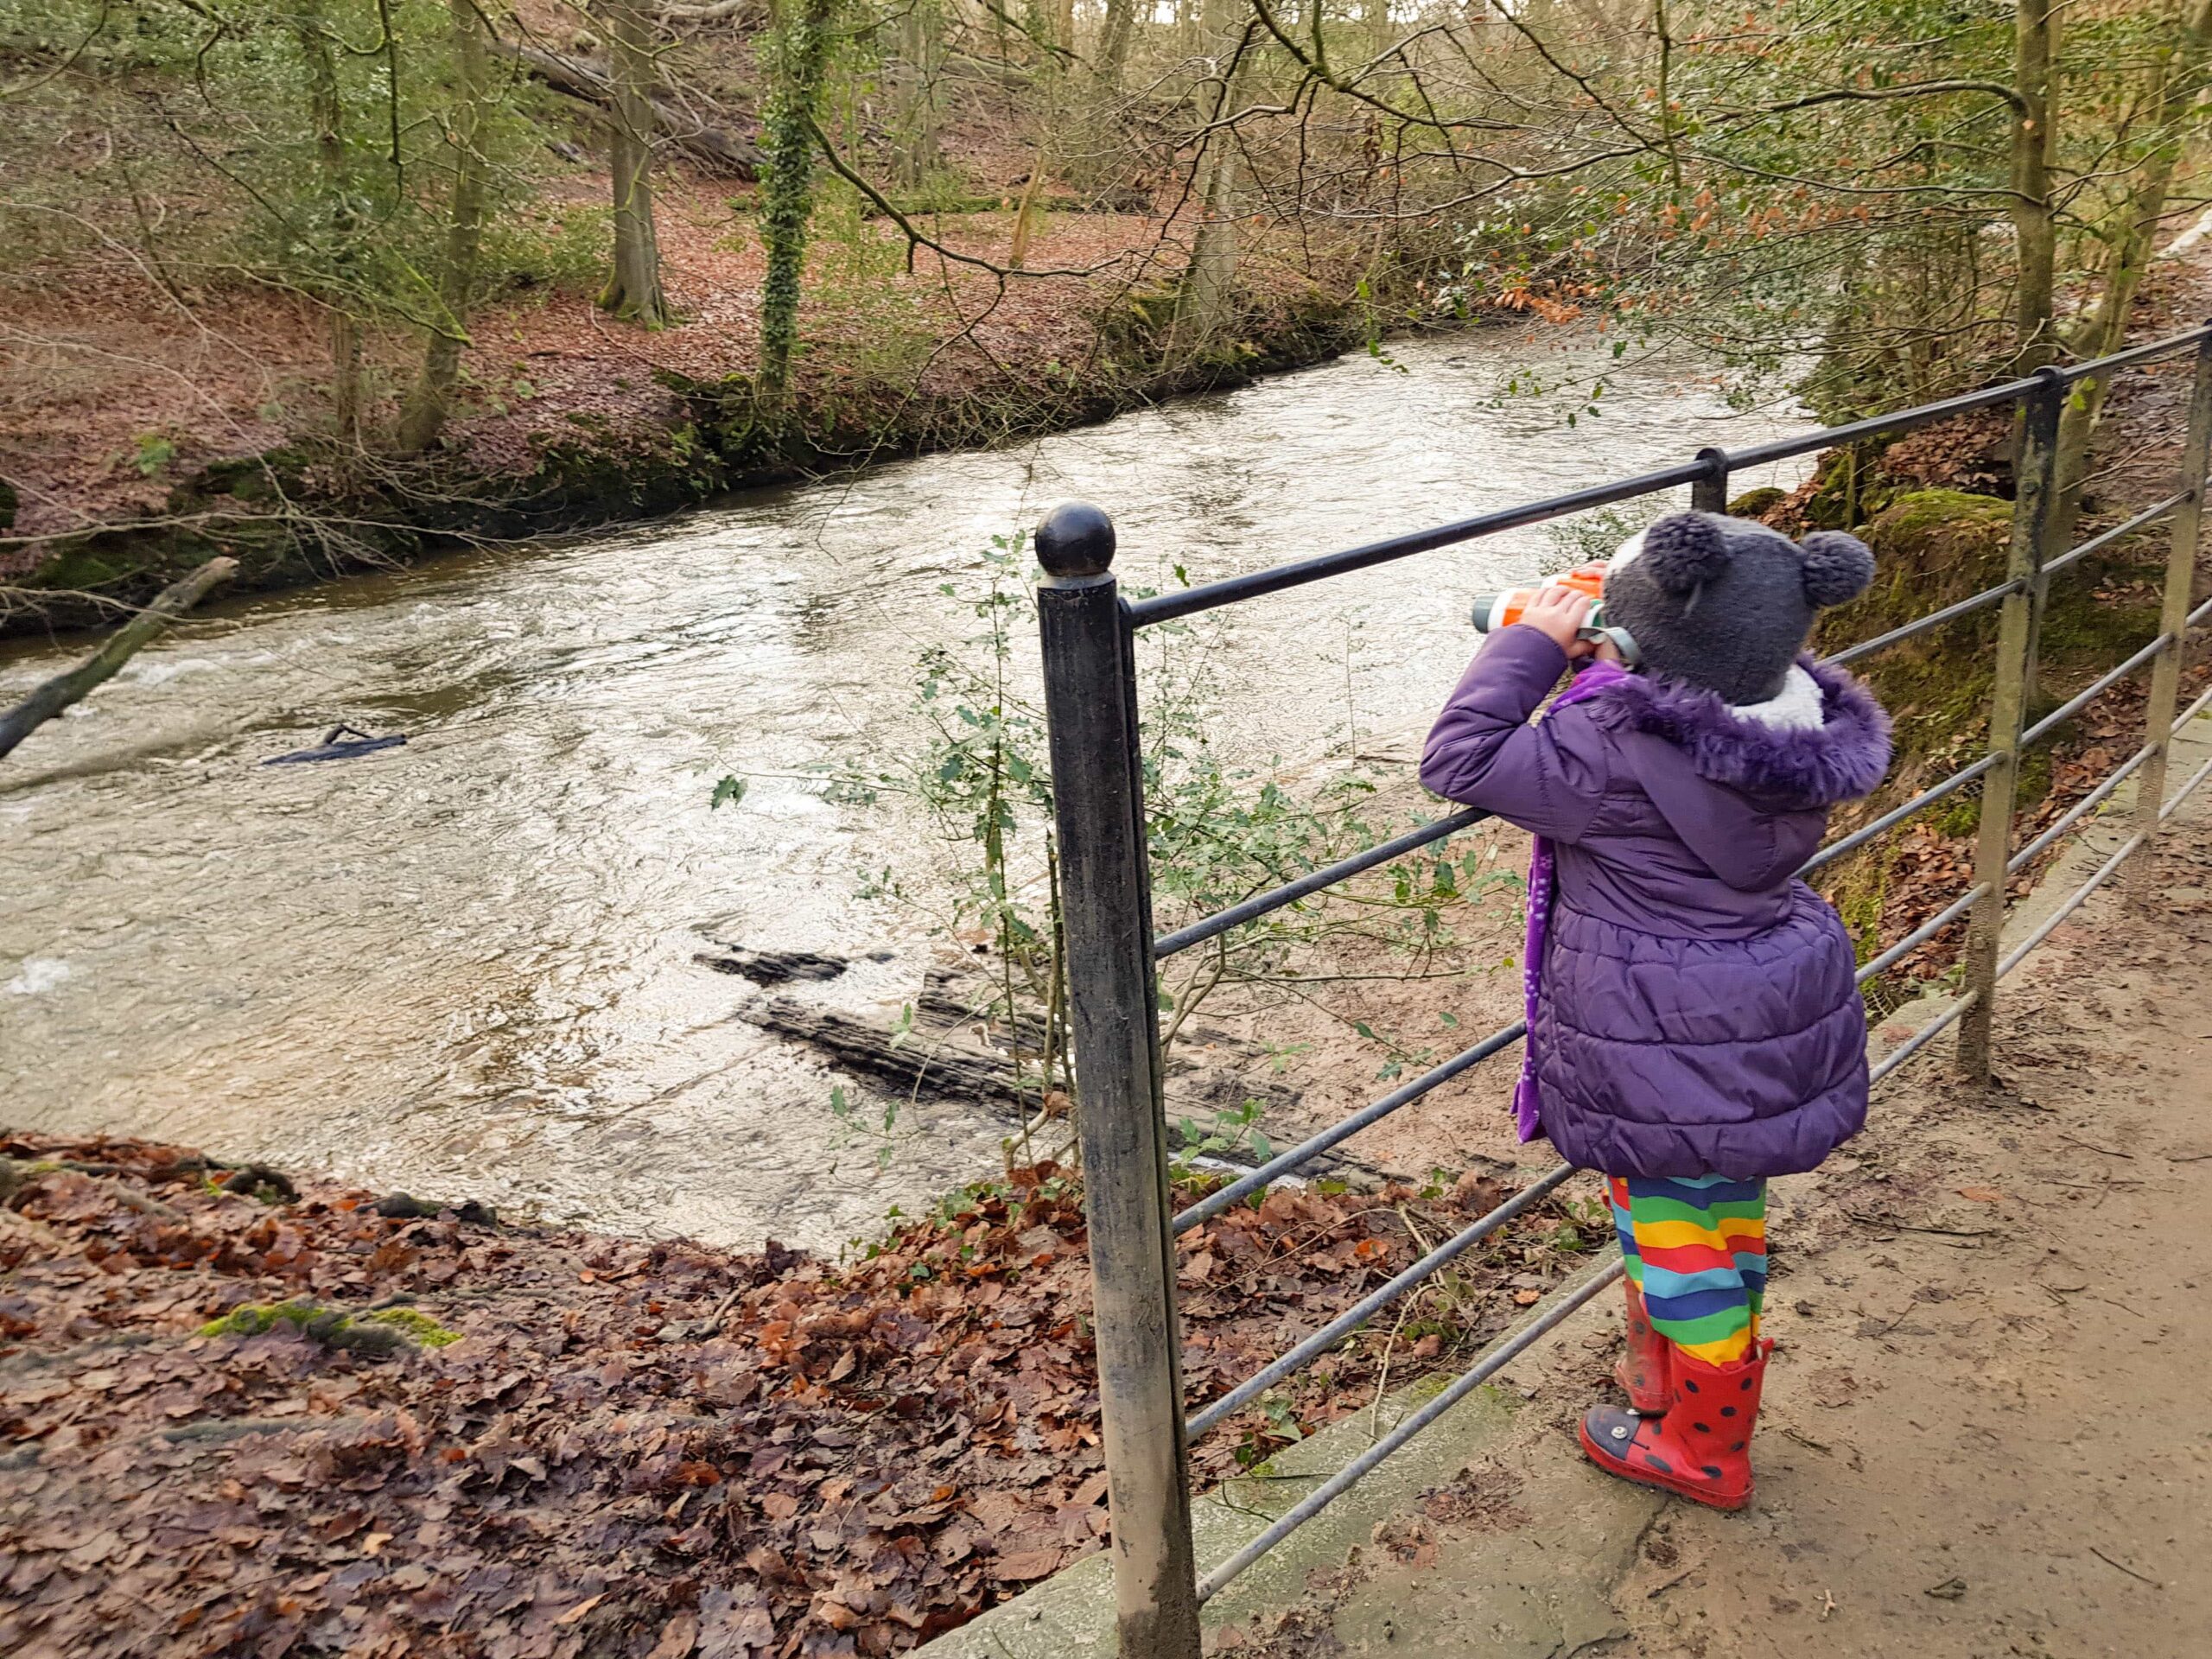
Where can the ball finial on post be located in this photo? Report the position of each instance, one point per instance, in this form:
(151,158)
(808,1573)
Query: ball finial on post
(1076,539)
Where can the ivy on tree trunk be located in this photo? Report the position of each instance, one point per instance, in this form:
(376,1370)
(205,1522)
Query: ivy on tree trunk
(800,55)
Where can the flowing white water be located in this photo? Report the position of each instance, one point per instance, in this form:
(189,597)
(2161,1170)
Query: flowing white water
(464,967)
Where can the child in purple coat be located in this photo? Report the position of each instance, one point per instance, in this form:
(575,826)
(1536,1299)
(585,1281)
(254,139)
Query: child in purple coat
(1693,1025)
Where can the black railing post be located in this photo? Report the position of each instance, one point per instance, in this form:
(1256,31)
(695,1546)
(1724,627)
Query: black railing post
(2035,479)
(1091,709)
(2173,622)
(1710,493)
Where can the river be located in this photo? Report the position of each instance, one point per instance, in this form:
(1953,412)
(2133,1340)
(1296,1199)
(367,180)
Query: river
(465,967)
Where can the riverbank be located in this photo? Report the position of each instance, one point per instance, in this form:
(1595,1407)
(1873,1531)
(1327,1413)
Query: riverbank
(192,432)
(250,1418)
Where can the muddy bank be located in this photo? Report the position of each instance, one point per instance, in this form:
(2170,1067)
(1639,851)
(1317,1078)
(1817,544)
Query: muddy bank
(243,1422)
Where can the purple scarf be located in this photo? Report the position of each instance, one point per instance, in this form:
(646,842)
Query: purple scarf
(1588,682)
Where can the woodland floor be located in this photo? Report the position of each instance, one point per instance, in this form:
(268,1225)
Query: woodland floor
(565,1444)
(96,363)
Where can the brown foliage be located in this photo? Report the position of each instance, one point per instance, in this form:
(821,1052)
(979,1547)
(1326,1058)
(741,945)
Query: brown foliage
(635,1448)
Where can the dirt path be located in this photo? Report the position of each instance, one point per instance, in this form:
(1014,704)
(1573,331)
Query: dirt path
(1985,1433)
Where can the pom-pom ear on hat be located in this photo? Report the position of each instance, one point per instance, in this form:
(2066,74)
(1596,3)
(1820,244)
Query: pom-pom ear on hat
(1837,567)
(1685,549)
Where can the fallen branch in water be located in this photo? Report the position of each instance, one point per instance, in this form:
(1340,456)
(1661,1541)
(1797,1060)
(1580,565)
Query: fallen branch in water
(58,693)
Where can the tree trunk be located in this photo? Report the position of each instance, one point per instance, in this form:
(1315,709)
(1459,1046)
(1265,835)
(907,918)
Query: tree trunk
(2034,220)
(1113,56)
(424,417)
(800,53)
(634,293)
(51,697)
(1210,279)
(920,42)
(327,115)
(2131,241)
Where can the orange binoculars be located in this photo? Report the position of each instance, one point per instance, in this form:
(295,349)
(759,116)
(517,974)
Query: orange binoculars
(1496,611)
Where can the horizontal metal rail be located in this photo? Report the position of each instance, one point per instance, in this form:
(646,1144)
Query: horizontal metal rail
(1260,905)
(2074,901)
(1920,1039)
(1361,1312)
(1210,595)
(2203,702)
(1920,936)
(2198,614)
(1291,892)
(2075,704)
(1344,1479)
(1502,1354)
(2080,809)
(1927,1034)
(2096,544)
(1166,608)
(1895,815)
(1214,1203)
(1878,426)
(1981,601)
(2135,354)
(2185,791)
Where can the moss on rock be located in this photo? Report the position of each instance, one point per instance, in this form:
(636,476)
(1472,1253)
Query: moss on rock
(417,1326)
(388,1330)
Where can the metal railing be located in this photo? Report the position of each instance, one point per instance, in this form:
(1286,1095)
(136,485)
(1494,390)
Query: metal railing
(1089,636)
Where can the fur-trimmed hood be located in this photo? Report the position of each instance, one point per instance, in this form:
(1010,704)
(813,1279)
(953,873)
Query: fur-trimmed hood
(1841,760)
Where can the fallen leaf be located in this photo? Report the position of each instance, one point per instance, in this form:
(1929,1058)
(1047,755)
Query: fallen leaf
(1026,1564)
(1982,1194)
(580,1610)
(677,1637)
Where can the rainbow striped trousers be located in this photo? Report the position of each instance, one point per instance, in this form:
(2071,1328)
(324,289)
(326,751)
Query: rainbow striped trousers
(1696,1249)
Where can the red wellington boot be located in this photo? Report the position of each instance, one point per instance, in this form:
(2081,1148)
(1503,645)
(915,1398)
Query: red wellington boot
(1642,1371)
(1700,1448)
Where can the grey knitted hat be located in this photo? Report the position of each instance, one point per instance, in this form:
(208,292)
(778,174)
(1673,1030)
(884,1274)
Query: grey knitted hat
(1725,603)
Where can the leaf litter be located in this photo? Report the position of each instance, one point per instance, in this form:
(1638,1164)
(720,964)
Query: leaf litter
(572,1443)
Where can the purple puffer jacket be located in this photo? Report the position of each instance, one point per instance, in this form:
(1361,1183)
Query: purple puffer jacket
(1696,1013)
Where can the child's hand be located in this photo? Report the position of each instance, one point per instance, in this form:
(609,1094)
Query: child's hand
(1557,613)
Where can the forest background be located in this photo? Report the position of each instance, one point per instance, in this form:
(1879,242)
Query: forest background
(319,283)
